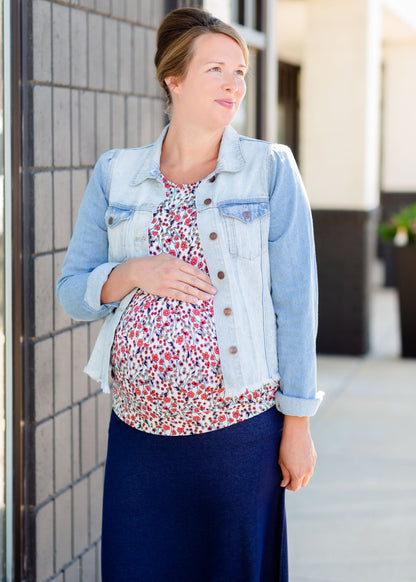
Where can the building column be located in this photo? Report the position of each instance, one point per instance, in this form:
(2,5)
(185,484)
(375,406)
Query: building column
(339,155)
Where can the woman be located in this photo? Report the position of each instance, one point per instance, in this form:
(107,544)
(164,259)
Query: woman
(198,250)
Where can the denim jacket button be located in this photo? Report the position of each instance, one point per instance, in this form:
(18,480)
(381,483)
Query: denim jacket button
(212,179)
(233,349)
(213,235)
(110,220)
(207,201)
(246,214)
(220,275)
(228,311)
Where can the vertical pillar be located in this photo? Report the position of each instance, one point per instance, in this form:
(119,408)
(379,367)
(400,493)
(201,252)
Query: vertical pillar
(340,160)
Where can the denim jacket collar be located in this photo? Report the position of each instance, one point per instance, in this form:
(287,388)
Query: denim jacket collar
(230,157)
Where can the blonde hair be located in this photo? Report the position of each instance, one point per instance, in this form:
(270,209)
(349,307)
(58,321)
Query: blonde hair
(175,41)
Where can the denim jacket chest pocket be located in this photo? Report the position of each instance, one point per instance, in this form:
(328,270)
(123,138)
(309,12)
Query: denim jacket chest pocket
(246,224)
(127,231)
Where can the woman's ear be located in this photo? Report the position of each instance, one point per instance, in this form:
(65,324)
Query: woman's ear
(172,83)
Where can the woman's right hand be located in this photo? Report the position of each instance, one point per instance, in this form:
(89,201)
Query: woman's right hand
(162,275)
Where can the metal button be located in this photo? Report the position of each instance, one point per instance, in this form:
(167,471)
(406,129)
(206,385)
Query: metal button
(207,201)
(212,179)
(233,349)
(247,214)
(228,311)
(213,235)
(110,220)
(220,274)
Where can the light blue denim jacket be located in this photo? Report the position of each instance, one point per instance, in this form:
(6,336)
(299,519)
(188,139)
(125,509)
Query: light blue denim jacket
(256,205)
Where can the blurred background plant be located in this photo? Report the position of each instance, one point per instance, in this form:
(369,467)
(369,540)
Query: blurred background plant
(400,229)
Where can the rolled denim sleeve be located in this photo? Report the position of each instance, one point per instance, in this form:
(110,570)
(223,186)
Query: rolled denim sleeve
(86,266)
(294,286)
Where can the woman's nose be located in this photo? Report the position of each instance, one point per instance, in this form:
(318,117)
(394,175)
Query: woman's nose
(229,82)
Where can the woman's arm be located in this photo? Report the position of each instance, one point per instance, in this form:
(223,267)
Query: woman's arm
(294,294)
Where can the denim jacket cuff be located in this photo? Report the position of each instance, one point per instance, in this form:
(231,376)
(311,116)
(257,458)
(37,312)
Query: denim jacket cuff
(96,280)
(295,406)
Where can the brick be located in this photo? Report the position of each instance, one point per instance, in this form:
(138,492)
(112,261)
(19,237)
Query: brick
(62,208)
(96,481)
(79,184)
(63,450)
(43,388)
(87,3)
(43,211)
(103,123)
(152,83)
(63,529)
(42,41)
(61,318)
(42,126)
(111,61)
(158,12)
(44,461)
(132,10)
(80,505)
(75,128)
(99,576)
(79,48)
(103,6)
(159,119)
(146,12)
(44,291)
(76,463)
(103,418)
(126,57)
(139,59)
(118,8)
(95,51)
(44,542)
(73,572)
(88,435)
(87,128)
(79,361)
(132,105)
(89,566)
(61,127)
(60,44)
(118,121)
(62,370)
(146,125)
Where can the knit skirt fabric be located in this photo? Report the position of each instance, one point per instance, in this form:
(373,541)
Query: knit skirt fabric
(201,508)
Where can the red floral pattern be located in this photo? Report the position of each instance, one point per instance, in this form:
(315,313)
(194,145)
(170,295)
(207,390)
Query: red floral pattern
(165,358)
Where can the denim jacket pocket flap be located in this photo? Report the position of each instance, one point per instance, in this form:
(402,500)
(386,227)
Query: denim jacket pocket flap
(245,211)
(115,216)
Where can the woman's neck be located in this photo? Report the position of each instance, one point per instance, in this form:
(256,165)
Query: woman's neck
(189,154)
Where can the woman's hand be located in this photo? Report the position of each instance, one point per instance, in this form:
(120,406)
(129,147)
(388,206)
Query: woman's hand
(297,455)
(162,275)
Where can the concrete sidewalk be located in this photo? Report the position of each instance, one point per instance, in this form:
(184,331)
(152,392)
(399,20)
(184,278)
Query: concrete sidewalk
(356,520)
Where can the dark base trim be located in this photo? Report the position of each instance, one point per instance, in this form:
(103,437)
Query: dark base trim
(345,248)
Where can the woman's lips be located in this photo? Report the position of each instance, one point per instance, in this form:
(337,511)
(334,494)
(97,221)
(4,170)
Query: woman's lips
(225,103)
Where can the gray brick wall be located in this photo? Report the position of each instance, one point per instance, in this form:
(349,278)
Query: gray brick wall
(88,86)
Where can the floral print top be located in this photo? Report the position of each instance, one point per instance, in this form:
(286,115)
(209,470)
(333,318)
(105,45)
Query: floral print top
(165,359)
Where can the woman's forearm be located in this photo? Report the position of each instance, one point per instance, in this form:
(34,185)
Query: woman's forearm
(119,283)
(162,275)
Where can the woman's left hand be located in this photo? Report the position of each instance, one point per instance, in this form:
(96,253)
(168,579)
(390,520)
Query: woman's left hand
(297,455)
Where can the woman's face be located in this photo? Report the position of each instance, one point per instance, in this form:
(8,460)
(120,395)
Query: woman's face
(214,85)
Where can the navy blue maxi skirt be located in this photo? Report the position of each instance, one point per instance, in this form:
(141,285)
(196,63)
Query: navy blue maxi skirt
(201,508)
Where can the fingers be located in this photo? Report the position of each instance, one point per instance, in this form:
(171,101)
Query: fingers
(293,481)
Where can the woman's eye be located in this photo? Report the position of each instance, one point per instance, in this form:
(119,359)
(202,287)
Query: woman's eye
(241,73)
(215,69)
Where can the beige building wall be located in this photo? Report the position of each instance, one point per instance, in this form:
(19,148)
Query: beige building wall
(399,117)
